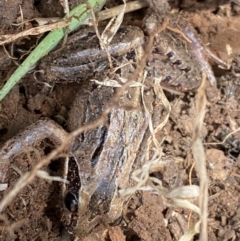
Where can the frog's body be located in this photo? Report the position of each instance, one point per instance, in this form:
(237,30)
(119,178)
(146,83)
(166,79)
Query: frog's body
(105,156)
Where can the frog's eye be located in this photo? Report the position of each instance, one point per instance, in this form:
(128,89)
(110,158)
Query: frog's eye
(170,54)
(71,201)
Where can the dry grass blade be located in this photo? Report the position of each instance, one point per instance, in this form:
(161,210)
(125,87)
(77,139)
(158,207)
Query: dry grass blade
(45,175)
(160,94)
(200,158)
(191,232)
(40,21)
(130,6)
(115,83)
(111,28)
(4,39)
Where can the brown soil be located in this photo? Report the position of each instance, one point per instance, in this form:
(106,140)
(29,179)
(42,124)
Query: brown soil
(35,214)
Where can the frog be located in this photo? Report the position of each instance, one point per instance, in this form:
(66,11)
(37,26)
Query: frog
(100,161)
(101,155)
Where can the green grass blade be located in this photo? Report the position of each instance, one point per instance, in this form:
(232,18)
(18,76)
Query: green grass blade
(77,15)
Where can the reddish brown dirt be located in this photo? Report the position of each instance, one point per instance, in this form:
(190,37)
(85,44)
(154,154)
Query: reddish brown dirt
(35,214)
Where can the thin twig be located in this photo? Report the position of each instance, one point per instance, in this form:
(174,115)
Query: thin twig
(178,31)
